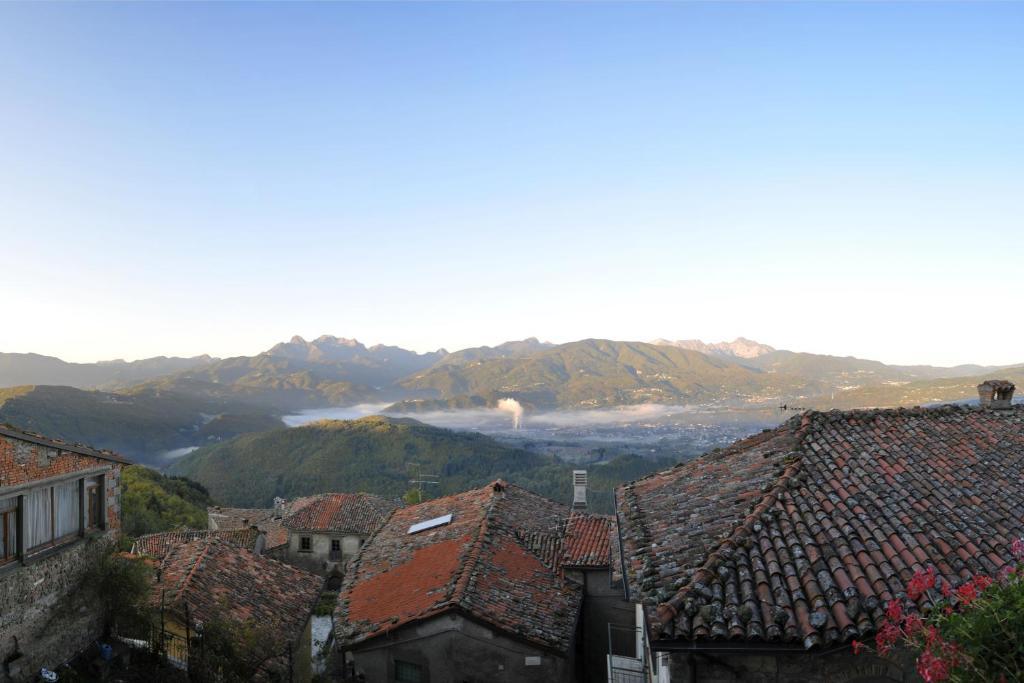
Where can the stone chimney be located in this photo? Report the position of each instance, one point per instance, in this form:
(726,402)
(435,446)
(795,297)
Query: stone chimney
(279,504)
(579,489)
(996,394)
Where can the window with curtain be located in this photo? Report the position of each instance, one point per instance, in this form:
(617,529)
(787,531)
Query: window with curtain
(39,517)
(66,502)
(8,529)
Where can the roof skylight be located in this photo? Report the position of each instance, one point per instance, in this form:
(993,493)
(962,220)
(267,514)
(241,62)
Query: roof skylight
(430,524)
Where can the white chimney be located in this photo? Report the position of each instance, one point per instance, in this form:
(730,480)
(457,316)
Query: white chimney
(579,489)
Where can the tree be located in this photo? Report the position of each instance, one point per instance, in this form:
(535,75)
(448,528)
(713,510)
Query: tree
(123,585)
(231,651)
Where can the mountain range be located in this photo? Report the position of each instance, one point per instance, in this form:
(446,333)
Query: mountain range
(148,407)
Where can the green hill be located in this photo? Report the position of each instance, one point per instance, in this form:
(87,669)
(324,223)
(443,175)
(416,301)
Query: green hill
(380,455)
(596,373)
(139,425)
(151,502)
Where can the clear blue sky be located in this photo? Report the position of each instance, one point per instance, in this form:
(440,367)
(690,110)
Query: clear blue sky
(186,178)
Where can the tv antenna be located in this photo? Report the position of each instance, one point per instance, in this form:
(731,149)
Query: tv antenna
(419,479)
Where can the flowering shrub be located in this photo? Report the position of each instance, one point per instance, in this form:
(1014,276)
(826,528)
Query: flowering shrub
(973,633)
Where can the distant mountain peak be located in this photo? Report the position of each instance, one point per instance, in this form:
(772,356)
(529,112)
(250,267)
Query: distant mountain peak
(741,347)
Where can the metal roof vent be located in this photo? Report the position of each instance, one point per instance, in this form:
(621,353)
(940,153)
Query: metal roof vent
(996,394)
(579,489)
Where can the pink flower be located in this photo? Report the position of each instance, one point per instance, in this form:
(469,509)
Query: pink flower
(886,638)
(921,581)
(932,668)
(857,646)
(967,593)
(912,624)
(894,611)
(981,582)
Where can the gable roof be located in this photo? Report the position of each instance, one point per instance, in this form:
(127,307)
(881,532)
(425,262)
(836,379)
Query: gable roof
(81,449)
(487,563)
(217,579)
(267,520)
(587,541)
(156,545)
(360,513)
(801,534)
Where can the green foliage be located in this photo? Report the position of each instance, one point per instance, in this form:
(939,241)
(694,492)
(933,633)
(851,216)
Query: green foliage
(123,585)
(377,454)
(325,606)
(152,502)
(412,497)
(990,633)
(235,652)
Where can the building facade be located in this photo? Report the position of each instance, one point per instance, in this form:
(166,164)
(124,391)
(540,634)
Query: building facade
(462,588)
(59,513)
(328,530)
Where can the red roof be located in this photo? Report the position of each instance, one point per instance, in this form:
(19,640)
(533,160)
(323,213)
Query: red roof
(803,533)
(217,579)
(487,562)
(267,520)
(587,541)
(360,513)
(157,545)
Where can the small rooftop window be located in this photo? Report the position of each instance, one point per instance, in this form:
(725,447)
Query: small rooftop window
(430,524)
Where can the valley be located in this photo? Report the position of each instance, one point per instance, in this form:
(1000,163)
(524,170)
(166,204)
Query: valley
(584,403)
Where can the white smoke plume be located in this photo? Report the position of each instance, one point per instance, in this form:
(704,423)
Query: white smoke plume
(510,405)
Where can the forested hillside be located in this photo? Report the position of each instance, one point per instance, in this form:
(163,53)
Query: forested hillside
(140,425)
(381,455)
(152,502)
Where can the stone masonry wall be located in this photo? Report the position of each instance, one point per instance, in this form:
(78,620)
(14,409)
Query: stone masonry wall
(837,667)
(47,612)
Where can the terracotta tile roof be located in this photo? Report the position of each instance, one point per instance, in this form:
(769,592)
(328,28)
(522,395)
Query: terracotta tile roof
(215,578)
(157,545)
(488,563)
(16,433)
(587,541)
(803,533)
(239,518)
(267,520)
(360,513)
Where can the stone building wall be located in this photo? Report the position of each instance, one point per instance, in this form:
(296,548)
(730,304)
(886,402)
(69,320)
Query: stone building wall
(47,611)
(450,647)
(841,666)
(318,559)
